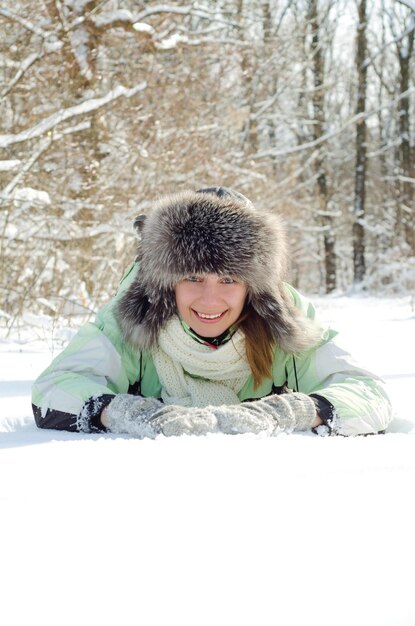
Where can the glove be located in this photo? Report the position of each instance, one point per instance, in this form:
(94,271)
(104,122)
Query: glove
(235,419)
(272,414)
(174,421)
(148,417)
(133,415)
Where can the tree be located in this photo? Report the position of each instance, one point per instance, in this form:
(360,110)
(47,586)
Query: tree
(405,48)
(359,263)
(320,164)
(104,108)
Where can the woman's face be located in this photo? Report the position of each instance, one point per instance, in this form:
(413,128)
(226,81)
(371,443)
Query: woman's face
(210,303)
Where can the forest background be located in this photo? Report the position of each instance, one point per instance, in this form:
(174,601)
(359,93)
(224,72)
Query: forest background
(304,106)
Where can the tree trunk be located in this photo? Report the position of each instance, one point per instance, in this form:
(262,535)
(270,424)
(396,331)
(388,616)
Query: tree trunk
(359,263)
(406,156)
(325,218)
(248,61)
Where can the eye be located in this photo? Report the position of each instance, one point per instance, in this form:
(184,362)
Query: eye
(193,278)
(228,280)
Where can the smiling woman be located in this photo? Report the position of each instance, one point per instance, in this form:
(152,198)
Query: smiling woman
(204,336)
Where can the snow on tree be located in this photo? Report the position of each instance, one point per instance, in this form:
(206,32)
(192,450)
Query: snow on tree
(106,105)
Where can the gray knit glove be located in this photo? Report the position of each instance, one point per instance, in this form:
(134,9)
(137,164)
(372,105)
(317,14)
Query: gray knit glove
(134,415)
(174,421)
(272,414)
(148,417)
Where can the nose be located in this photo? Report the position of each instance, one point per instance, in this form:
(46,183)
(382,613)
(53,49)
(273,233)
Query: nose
(209,296)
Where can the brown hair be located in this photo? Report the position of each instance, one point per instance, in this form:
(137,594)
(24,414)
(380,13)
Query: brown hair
(259,344)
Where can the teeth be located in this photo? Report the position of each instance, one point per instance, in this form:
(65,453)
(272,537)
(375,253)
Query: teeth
(209,317)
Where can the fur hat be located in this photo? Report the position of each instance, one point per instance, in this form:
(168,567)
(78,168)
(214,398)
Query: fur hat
(215,230)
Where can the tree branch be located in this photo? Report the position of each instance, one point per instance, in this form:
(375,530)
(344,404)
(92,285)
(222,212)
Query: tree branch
(313,144)
(64,114)
(23,22)
(189,10)
(25,64)
(43,145)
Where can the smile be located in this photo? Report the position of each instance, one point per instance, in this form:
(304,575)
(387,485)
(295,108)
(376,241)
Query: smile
(213,317)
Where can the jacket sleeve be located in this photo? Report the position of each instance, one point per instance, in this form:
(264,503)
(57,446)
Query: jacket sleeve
(330,372)
(96,365)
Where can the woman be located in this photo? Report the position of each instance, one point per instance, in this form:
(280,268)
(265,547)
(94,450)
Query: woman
(204,336)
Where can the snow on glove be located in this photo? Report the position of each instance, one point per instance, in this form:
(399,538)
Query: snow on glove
(174,421)
(272,414)
(133,415)
(229,419)
(148,417)
(236,419)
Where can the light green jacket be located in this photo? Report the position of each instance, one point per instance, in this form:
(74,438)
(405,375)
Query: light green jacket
(97,362)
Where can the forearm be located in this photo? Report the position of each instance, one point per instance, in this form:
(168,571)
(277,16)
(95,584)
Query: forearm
(362,406)
(357,396)
(89,367)
(86,420)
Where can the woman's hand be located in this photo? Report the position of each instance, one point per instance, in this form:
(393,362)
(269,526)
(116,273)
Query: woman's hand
(317,422)
(133,415)
(104,417)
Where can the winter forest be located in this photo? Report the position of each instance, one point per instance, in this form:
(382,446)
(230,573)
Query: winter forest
(305,106)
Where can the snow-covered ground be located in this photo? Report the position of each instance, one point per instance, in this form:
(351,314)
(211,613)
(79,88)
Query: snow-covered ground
(297,530)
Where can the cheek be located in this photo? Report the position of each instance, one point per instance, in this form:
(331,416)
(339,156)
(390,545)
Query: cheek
(238,299)
(179,299)
(183,297)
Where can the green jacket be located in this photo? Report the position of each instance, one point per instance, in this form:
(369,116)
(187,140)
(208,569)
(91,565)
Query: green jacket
(97,364)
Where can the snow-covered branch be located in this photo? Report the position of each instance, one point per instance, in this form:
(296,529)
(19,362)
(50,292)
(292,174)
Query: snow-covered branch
(120,18)
(24,66)
(164,8)
(42,147)
(9,165)
(353,120)
(64,114)
(48,47)
(188,10)
(23,22)
(311,144)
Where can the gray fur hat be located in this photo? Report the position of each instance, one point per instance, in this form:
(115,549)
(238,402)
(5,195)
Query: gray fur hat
(215,230)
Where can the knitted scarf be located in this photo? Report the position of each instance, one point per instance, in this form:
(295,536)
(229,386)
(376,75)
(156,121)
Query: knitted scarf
(194,374)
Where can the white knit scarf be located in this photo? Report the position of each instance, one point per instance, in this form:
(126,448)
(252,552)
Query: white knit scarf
(193,374)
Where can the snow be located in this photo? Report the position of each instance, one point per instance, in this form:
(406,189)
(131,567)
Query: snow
(8,165)
(143,27)
(31,196)
(296,530)
(79,39)
(170,42)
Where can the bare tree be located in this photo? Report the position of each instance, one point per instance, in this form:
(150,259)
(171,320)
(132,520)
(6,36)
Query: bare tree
(405,48)
(319,124)
(359,263)
(104,105)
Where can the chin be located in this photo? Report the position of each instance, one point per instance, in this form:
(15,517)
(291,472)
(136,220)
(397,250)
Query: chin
(210,332)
